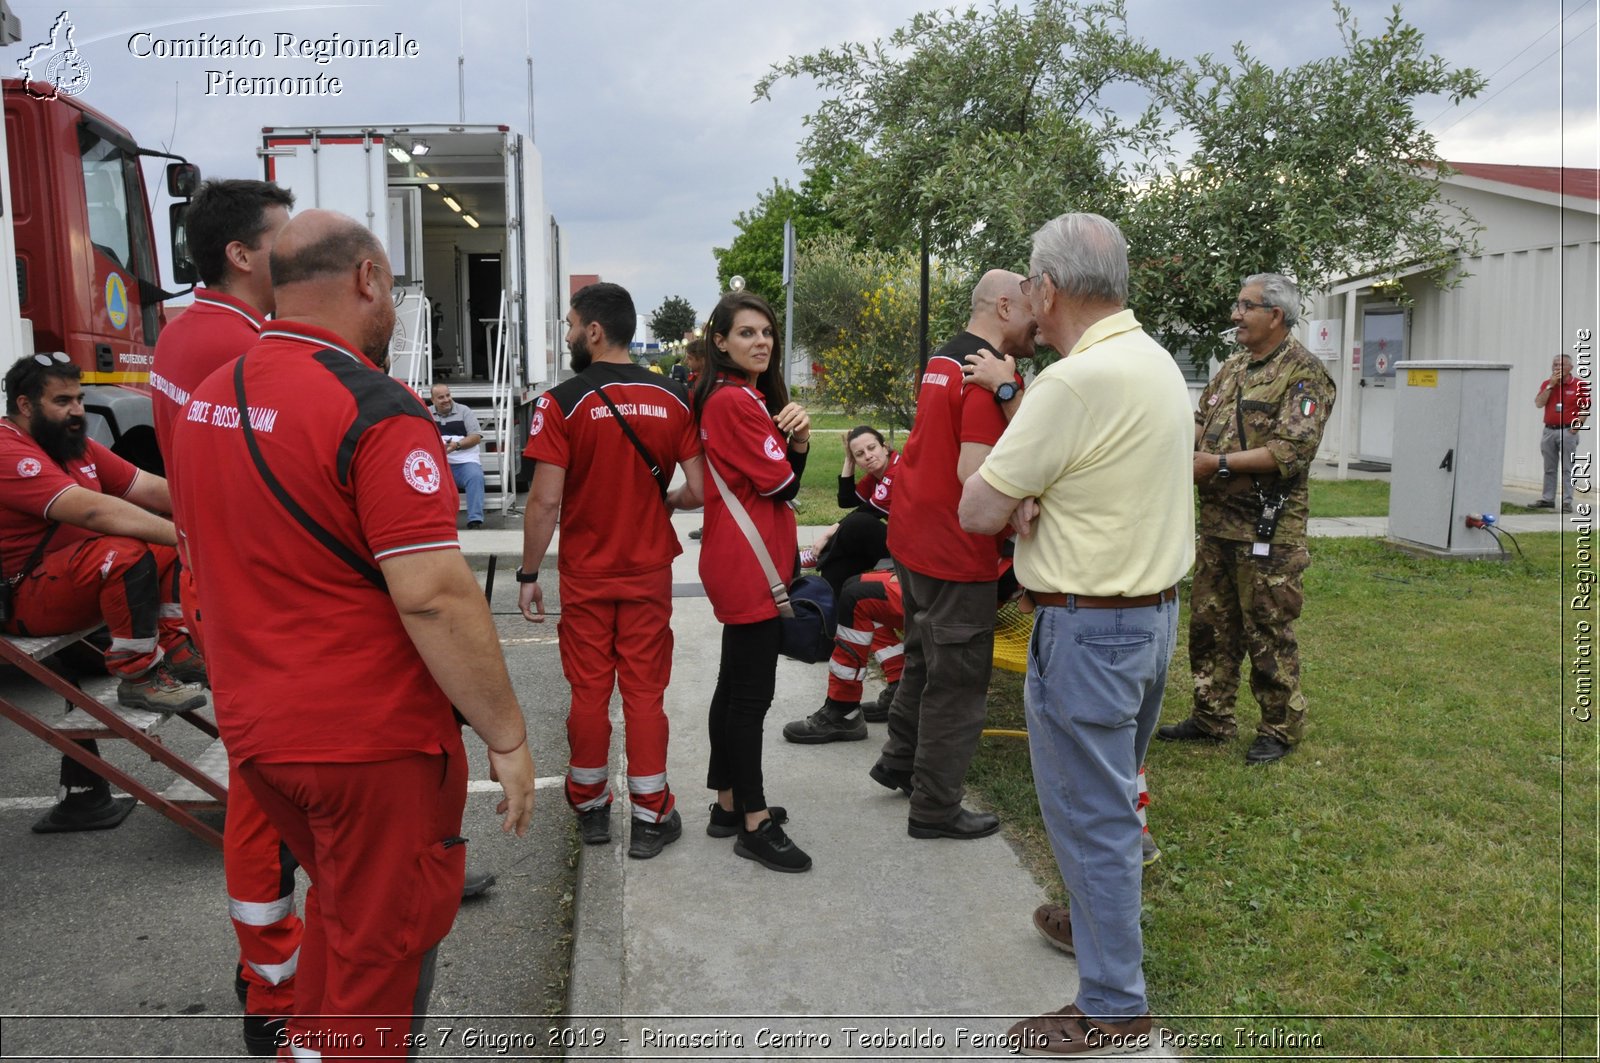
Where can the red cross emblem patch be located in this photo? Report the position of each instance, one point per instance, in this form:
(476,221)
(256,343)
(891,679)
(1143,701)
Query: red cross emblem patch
(421,472)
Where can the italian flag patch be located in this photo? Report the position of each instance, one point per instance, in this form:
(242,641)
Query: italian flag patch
(1308,406)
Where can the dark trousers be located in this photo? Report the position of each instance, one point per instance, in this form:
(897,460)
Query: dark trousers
(860,543)
(938,711)
(746,680)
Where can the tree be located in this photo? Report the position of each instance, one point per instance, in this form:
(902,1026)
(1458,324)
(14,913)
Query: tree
(672,319)
(975,127)
(756,253)
(1316,171)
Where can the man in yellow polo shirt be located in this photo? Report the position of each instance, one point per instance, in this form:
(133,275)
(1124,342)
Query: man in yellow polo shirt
(1104,441)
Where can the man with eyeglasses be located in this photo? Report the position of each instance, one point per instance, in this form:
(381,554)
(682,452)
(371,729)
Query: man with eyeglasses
(1257,430)
(82,541)
(343,624)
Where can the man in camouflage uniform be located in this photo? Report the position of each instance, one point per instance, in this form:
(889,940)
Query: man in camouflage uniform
(1253,503)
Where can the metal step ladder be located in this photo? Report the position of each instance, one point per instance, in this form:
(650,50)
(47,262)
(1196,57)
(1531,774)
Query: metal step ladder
(92,711)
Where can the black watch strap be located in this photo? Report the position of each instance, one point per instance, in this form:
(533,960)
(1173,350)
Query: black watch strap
(1005,392)
(527,577)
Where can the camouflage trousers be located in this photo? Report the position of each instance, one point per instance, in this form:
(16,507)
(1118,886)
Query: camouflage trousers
(1243,604)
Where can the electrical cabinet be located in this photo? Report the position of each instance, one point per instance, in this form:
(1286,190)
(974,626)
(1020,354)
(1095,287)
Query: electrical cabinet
(1449,454)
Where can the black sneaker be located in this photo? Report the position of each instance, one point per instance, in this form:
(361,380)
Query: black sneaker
(878,711)
(1187,731)
(725,822)
(474,525)
(770,847)
(263,1035)
(648,839)
(594,825)
(1543,503)
(891,778)
(834,722)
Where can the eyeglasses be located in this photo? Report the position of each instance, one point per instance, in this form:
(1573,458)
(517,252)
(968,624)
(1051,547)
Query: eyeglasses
(1245,306)
(54,358)
(1026,286)
(397,295)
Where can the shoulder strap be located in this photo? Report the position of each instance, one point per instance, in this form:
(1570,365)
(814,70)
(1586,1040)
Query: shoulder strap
(38,555)
(662,479)
(322,535)
(780,590)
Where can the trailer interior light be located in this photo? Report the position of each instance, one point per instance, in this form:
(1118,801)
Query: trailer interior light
(399,155)
(470,220)
(452,204)
(420,147)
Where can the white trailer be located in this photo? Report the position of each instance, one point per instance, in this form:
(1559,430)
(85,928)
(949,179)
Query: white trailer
(460,210)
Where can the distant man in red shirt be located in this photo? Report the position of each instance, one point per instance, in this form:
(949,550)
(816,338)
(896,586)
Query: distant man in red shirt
(343,624)
(947,576)
(1565,402)
(615,562)
(230,227)
(81,541)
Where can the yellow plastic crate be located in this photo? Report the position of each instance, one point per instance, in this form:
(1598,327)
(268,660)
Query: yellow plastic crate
(1012,630)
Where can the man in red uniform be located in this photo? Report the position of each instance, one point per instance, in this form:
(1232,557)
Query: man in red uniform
(230,227)
(947,576)
(322,539)
(81,542)
(1565,402)
(616,585)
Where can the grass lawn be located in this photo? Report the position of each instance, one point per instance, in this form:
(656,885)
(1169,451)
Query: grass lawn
(1402,874)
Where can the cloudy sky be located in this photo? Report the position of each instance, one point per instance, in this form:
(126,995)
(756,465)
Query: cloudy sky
(644,114)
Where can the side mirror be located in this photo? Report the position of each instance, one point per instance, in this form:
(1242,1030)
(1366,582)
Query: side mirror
(183,179)
(183,267)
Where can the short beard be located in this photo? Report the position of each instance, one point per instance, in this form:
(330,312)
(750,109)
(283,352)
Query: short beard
(582,357)
(64,440)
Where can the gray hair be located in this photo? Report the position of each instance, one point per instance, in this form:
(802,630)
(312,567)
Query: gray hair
(1279,291)
(1085,255)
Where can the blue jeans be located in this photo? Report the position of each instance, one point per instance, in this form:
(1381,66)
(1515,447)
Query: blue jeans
(1095,681)
(469,480)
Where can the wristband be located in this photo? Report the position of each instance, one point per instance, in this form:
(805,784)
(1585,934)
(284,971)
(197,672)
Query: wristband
(526,577)
(507,752)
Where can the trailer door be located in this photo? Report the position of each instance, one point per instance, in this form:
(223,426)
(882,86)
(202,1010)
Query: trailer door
(525,202)
(344,173)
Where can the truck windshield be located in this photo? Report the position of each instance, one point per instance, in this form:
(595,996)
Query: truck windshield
(105,188)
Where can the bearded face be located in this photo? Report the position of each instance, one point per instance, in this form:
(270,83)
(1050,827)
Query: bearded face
(582,357)
(64,439)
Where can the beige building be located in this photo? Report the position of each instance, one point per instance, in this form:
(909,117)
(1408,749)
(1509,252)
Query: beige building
(1527,293)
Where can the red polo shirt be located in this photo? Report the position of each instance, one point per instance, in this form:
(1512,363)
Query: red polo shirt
(1567,403)
(874,490)
(31,481)
(744,445)
(218,328)
(613,521)
(312,660)
(924,533)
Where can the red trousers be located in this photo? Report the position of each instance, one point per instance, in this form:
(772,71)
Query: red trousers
(870,622)
(259,872)
(128,584)
(381,842)
(616,632)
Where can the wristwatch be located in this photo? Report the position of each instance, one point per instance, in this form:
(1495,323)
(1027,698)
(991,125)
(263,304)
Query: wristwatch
(1223,472)
(527,577)
(1005,392)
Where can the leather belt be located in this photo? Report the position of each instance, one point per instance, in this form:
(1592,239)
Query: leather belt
(1090,601)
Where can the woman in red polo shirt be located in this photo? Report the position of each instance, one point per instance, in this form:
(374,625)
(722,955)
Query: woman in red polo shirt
(756,441)
(860,540)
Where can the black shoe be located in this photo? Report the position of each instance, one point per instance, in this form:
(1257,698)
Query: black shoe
(964,824)
(594,825)
(474,525)
(1266,749)
(99,812)
(1543,503)
(241,988)
(878,711)
(725,822)
(476,883)
(696,533)
(263,1035)
(834,722)
(770,847)
(1187,731)
(648,839)
(891,778)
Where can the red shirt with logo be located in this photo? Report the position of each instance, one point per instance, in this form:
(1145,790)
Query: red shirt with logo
(1567,403)
(613,520)
(217,329)
(874,490)
(745,447)
(924,533)
(312,662)
(31,481)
